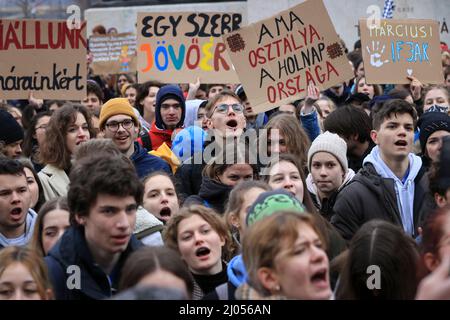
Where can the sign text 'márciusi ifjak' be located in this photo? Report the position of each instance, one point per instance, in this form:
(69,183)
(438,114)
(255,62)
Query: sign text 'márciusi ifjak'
(42,56)
(400,48)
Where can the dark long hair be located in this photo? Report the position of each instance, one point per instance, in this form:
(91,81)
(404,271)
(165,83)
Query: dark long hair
(385,246)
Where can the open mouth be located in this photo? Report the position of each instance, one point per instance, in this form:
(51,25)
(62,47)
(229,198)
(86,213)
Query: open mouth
(202,252)
(319,277)
(16,214)
(16,211)
(232,123)
(401,143)
(122,138)
(165,212)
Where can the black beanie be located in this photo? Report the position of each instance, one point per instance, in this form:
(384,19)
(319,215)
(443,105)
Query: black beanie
(10,129)
(431,122)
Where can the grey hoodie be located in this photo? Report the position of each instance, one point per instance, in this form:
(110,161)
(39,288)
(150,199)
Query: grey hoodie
(23,239)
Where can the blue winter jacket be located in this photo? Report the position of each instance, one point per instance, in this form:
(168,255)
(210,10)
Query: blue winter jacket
(74,274)
(146,163)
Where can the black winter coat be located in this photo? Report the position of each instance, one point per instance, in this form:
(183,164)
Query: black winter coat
(369,196)
(72,250)
(212,194)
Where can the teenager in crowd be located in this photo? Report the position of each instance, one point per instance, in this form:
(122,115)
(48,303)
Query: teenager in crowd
(104,195)
(354,126)
(220,176)
(145,103)
(69,127)
(378,249)
(23,275)
(293,267)
(51,223)
(285,135)
(329,172)
(35,138)
(285,173)
(392,185)
(11,136)
(160,196)
(17,219)
(436,95)
(203,241)
(34,184)
(156,267)
(433,127)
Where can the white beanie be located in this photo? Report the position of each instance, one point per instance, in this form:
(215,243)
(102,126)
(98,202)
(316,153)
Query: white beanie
(331,143)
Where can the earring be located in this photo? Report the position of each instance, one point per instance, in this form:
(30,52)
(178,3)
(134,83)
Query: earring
(276,288)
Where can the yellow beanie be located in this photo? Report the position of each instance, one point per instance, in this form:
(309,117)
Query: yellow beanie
(114,107)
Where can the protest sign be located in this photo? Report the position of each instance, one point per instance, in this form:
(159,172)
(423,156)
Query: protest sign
(396,49)
(113,54)
(45,57)
(179,47)
(277,58)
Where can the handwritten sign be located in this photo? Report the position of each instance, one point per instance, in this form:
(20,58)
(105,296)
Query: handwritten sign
(42,56)
(179,47)
(113,54)
(277,58)
(399,48)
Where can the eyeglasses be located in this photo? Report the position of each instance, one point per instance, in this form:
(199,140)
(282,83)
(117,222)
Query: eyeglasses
(223,108)
(114,125)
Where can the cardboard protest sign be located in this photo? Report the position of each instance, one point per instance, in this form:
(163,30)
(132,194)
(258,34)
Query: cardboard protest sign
(277,58)
(42,56)
(179,47)
(399,48)
(113,54)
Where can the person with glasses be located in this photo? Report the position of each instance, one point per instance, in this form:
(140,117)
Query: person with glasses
(169,115)
(68,127)
(225,113)
(225,118)
(119,123)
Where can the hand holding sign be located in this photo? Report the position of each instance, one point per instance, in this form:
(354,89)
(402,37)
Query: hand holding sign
(415,87)
(375,57)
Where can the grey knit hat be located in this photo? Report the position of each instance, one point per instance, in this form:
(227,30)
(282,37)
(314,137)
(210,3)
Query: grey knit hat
(331,143)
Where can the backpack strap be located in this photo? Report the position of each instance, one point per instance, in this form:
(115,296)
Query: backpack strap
(146,142)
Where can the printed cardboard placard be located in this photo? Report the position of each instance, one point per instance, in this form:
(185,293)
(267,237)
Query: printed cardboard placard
(113,54)
(181,46)
(45,57)
(277,58)
(399,48)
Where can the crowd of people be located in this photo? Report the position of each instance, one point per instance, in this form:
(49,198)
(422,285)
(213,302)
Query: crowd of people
(184,191)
